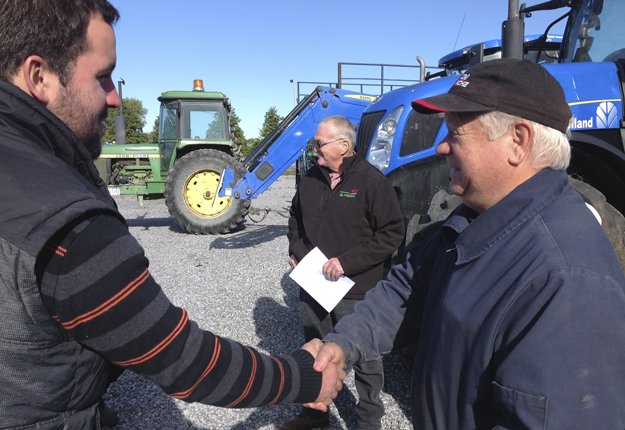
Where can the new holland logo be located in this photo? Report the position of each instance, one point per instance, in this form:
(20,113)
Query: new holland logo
(581,123)
(348,194)
(606,115)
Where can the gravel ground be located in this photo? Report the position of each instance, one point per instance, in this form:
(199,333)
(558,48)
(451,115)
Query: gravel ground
(237,286)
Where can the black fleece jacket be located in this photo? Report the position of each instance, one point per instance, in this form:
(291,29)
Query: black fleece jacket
(359,221)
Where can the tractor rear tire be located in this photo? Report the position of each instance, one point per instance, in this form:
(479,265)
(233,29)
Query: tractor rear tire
(191,193)
(419,228)
(612,220)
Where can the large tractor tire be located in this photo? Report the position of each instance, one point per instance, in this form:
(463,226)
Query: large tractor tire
(191,193)
(612,220)
(422,226)
(419,228)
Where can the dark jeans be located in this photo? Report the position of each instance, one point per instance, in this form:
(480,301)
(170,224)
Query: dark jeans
(369,376)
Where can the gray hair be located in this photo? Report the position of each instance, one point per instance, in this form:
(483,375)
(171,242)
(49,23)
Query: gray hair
(551,147)
(341,128)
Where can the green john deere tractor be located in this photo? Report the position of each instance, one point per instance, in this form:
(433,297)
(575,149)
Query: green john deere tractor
(194,146)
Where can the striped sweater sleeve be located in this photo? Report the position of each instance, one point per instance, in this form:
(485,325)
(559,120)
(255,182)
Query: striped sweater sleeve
(95,282)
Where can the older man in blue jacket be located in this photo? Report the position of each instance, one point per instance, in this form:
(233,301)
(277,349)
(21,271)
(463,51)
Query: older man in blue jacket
(517,302)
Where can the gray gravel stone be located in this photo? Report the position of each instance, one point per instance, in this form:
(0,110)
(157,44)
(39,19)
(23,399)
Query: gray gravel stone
(237,286)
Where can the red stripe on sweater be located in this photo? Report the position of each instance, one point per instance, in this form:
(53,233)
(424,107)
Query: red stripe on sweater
(281,380)
(209,368)
(161,346)
(250,382)
(59,250)
(113,301)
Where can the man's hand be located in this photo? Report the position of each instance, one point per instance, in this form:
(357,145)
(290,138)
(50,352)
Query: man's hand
(333,269)
(313,347)
(292,261)
(329,353)
(333,373)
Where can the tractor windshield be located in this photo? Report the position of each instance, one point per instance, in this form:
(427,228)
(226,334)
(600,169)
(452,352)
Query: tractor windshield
(595,32)
(546,51)
(203,120)
(168,132)
(168,122)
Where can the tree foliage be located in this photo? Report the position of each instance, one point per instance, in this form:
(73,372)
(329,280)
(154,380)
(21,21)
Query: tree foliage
(272,119)
(153,136)
(134,119)
(215,130)
(236,129)
(250,144)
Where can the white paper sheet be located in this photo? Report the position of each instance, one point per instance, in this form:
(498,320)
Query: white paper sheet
(309,275)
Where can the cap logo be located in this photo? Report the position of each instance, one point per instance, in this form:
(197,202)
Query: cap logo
(463,81)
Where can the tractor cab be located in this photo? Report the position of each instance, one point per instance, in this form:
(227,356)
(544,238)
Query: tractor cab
(595,33)
(540,49)
(192,119)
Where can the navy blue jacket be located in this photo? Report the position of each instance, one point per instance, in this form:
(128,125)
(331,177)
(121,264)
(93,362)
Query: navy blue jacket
(519,314)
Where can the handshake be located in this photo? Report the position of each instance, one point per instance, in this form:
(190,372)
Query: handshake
(329,361)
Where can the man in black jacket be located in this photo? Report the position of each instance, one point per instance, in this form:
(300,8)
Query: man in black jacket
(349,210)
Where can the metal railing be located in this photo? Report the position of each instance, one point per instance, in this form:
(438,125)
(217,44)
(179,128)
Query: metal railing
(380,84)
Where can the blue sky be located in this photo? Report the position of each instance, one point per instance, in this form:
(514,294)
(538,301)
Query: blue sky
(251,49)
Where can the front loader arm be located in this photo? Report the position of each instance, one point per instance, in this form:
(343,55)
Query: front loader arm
(282,147)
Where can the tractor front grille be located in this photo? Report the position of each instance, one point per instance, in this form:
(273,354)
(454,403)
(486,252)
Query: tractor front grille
(368,125)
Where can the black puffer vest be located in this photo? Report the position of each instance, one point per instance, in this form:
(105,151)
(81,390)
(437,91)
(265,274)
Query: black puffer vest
(47,380)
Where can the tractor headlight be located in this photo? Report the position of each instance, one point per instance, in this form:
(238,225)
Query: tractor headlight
(380,151)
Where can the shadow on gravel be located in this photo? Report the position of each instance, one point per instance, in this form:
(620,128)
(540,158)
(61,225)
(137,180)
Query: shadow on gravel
(146,223)
(257,215)
(249,237)
(280,331)
(396,384)
(266,416)
(279,327)
(141,404)
(397,381)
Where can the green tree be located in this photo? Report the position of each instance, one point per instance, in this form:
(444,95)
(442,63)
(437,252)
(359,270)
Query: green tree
(250,144)
(272,119)
(215,129)
(134,119)
(153,136)
(236,129)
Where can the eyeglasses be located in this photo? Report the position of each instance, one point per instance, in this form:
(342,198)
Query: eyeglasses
(318,144)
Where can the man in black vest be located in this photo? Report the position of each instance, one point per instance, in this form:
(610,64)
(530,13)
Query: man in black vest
(76,298)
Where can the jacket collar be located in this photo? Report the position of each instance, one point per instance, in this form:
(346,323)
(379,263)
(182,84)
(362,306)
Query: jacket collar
(477,234)
(49,133)
(349,164)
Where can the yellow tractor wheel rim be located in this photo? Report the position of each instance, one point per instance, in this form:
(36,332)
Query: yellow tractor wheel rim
(200,194)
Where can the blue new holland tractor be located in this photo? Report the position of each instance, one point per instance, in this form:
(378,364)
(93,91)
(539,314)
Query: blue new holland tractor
(590,68)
